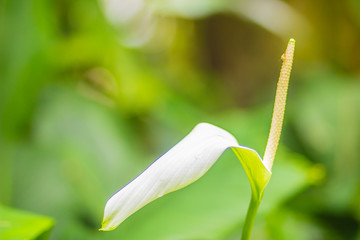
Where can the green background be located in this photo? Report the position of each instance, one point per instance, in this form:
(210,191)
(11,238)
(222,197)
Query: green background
(91,92)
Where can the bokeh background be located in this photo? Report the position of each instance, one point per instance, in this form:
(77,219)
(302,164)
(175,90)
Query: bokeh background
(91,92)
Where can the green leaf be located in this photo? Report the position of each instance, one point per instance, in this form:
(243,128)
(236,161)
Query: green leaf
(256,171)
(17,224)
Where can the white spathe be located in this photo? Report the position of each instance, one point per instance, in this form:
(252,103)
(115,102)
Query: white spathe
(183,164)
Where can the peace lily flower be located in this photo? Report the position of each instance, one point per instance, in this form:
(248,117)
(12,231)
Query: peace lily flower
(192,157)
(183,164)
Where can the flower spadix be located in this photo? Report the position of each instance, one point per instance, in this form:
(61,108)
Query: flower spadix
(183,164)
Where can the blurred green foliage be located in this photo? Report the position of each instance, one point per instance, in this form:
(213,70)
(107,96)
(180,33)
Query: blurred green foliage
(15,224)
(91,92)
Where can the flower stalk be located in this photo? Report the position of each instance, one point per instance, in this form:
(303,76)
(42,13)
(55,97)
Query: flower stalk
(250,217)
(274,137)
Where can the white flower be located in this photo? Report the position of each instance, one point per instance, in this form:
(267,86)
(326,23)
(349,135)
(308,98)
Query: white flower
(188,160)
(183,164)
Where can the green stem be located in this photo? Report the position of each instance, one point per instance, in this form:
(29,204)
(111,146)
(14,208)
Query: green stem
(250,217)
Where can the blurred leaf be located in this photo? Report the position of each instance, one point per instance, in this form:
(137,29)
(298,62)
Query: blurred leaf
(326,117)
(191,9)
(16,224)
(24,67)
(26,32)
(282,25)
(284,224)
(83,149)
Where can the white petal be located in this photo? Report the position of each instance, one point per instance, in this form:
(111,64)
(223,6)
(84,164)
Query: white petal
(183,164)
